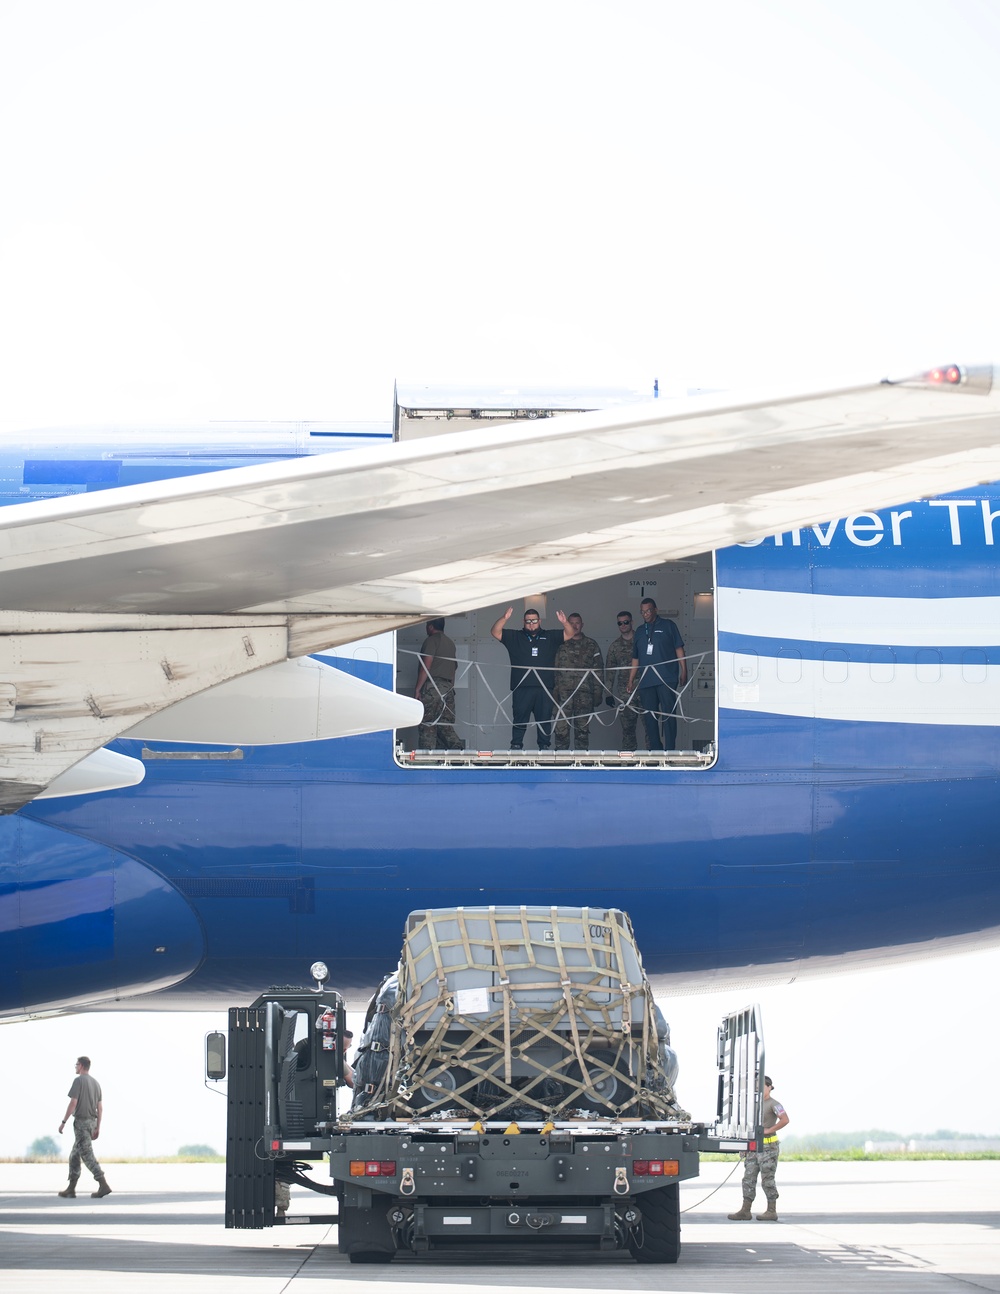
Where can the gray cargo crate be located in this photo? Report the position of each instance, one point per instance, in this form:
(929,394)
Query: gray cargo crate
(504,1011)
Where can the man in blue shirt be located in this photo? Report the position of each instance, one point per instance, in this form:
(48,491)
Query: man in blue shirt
(658,650)
(532,651)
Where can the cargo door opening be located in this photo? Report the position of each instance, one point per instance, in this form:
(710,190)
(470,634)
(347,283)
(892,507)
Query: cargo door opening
(586,731)
(600,735)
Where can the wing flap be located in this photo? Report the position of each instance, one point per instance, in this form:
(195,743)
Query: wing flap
(373,530)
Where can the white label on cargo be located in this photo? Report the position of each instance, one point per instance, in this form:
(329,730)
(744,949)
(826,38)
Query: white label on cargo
(472,1001)
(457,1222)
(573,1217)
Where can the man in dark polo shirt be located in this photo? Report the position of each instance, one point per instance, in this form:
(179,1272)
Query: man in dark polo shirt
(658,651)
(532,651)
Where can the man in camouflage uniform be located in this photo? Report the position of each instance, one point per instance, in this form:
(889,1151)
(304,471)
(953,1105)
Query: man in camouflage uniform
(436,688)
(282,1185)
(579,686)
(86,1109)
(763,1161)
(618,668)
(282,1196)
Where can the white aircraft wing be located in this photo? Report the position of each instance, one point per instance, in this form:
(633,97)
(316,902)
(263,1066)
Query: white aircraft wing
(138,597)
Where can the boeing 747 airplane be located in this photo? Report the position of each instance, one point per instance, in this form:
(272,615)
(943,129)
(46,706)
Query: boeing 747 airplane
(209,770)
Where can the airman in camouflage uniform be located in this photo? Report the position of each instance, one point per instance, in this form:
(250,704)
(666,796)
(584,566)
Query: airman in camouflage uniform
(763,1161)
(86,1109)
(579,686)
(436,689)
(618,668)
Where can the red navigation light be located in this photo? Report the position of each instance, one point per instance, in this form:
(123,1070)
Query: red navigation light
(951,375)
(968,378)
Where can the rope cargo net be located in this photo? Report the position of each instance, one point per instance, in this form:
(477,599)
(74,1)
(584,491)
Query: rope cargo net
(564,687)
(516,1013)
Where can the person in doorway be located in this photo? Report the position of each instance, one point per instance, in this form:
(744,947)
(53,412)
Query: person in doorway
(658,651)
(532,651)
(618,672)
(763,1161)
(436,689)
(579,686)
(86,1109)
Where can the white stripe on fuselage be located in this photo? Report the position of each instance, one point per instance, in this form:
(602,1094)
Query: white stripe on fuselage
(822,617)
(869,693)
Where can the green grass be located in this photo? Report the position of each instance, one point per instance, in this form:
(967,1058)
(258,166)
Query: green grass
(794,1156)
(827,1156)
(116,1159)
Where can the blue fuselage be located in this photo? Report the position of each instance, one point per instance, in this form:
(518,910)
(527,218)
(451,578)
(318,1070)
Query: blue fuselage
(851,809)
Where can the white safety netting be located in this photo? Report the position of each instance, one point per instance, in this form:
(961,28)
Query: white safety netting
(564,688)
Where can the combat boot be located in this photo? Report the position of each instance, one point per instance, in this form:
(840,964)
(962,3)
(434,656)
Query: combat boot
(70,1192)
(744,1215)
(102,1189)
(770,1214)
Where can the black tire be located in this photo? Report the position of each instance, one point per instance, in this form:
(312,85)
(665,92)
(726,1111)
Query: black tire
(438,1093)
(370,1256)
(658,1238)
(609,1088)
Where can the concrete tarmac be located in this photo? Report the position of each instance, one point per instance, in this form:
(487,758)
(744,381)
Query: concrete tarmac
(929,1227)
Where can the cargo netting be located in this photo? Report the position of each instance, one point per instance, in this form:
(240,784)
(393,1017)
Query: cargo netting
(517,1013)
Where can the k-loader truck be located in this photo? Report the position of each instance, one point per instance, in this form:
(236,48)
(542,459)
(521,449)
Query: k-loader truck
(513,1089)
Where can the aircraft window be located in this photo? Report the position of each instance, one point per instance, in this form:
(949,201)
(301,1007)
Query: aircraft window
(745,667)
(881,664)
(928,666)
(587,730)
(835,665)
(974,666)
(789,665)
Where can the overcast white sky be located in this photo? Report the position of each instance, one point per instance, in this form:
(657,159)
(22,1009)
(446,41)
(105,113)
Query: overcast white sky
(231,209)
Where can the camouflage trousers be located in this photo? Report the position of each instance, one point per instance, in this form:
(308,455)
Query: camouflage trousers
(282,1195)
(576,714)
(437,728)
(629,719)
(763,1161)
(83,1149)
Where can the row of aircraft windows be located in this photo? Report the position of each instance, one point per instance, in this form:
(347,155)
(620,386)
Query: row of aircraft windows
(881,663)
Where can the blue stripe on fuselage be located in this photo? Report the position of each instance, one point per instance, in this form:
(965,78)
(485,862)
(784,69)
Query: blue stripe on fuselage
(868,750)
(878,653)
(932,548)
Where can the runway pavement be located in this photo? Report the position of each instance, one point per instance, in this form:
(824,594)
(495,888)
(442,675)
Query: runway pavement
(926,1227)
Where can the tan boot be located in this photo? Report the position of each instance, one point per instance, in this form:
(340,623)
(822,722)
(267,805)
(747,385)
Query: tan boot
(70,1192)
(102,1189)
(770,1214)
(743,1215)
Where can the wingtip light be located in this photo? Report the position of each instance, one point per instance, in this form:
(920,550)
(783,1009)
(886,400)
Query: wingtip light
(952,377)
